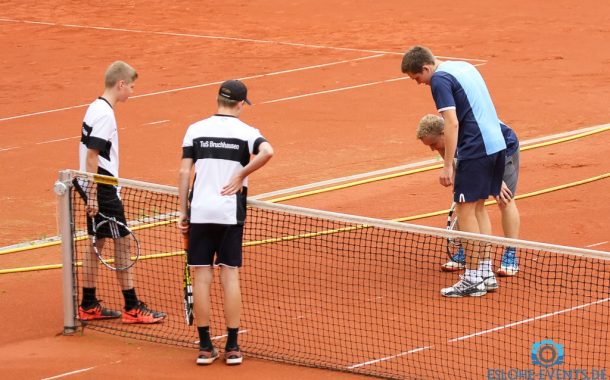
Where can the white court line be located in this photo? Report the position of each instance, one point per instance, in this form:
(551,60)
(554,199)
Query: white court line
(227,38)
(9,148)
(484,332)
(543,316)
(597,244)
(156,122)
(28,22)
(218,337)
(342,89)
(57,140)
(69,373)
(390,357)
(199,86)
(43,112)
(256,76)
(335,90)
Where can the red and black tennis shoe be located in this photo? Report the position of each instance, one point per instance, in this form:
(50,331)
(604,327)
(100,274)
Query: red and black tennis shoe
(142,314)
(95,312)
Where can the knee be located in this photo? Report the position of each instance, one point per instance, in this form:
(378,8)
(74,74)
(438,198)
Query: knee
(203,275)
(229,276)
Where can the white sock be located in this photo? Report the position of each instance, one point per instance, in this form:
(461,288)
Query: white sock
(473,275)
(485,268)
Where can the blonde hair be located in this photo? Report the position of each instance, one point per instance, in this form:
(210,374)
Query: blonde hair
(118,71)
(430,125)
(229,103)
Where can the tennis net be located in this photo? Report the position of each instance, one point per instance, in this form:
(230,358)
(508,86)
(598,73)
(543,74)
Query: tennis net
(360,295)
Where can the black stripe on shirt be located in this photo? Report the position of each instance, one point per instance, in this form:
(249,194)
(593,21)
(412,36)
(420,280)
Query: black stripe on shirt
(92,142)
(230,149)
(257,143)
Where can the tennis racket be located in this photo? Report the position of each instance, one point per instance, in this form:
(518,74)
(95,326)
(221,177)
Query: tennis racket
(187,285)
(453,244)
(124,251)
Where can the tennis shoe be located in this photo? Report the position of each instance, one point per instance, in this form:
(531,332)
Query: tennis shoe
(233,356)
(464,288)
(491,284)
(457,262)
(510,264)
(142,314)
(97,311)
(207,356)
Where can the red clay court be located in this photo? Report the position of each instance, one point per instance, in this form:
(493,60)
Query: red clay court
(328,93)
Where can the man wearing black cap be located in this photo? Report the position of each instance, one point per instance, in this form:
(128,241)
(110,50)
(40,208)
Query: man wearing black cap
(219,148)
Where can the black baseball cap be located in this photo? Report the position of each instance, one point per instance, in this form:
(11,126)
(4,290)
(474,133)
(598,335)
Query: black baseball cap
(234,90)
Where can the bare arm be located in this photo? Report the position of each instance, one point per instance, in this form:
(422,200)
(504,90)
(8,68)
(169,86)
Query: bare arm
(265,152)
(451,132)
(183,190)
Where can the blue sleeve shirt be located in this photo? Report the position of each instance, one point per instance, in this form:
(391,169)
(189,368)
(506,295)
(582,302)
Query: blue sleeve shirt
(512,142)
(460,86)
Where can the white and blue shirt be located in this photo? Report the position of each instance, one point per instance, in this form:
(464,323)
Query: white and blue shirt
(459,85)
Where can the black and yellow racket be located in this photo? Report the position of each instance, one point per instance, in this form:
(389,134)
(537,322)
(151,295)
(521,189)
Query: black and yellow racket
(187,284)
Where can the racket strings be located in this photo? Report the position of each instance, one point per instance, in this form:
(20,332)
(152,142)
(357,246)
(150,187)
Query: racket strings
(123,251)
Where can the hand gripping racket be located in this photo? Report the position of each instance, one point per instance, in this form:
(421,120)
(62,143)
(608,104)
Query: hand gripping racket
(124,251)
(187,285)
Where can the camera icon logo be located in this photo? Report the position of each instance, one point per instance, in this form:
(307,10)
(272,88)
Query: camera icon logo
(547,353)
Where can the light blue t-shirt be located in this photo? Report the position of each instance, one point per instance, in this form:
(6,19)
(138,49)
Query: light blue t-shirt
(460,86)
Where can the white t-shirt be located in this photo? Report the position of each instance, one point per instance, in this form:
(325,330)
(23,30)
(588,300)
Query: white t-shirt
(100,132)
(219,146)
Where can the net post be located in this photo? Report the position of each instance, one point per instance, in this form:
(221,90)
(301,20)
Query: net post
(62,190)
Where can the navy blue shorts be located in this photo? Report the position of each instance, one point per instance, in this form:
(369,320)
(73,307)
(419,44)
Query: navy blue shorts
(220,240)
(478,178)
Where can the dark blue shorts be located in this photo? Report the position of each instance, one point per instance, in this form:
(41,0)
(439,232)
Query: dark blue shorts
(479,178)
(220,240)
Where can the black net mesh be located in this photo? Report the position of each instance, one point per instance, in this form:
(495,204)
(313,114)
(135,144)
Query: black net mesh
(364,299)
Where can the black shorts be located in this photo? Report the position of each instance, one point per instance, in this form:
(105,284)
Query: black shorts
(111,206)
(221,240)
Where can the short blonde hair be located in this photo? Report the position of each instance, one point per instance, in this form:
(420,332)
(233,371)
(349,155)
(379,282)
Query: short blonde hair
(430,125)
(118,71)
(229,103)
